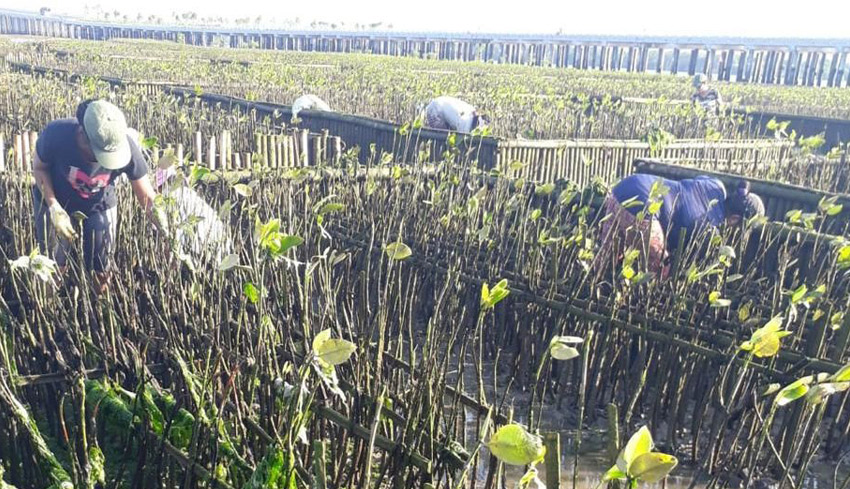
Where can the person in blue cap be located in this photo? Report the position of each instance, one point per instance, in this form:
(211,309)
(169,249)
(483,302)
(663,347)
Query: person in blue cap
(76,164)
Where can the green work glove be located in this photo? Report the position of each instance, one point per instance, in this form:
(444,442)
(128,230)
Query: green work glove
(160,219)
(62,222)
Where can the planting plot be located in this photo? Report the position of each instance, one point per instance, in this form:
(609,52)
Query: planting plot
(422,319)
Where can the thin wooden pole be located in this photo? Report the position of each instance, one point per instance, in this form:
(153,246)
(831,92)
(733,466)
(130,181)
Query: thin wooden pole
(552,460)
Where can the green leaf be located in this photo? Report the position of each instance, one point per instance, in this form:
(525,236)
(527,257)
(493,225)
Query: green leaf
(734,278)
(528,478)
(799,294)
(544,189)
(794,216)
(614,473)
(744,312)
(330,350)
(652,467)
(516,165)
(843,374)
(820,392)
(491,297)
(654,208)
(398,251)
(843,258)
(793,391)
(639,444)
(243,190)
(535,214)
(567,196)
(513,445)
(563,352)
(836,320)
(228,262)
(331,207)
(642,277)
(251,292)
(764,341)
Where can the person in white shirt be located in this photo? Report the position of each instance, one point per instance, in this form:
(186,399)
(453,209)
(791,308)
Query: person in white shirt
(309,102)
(453,114)
(199,233)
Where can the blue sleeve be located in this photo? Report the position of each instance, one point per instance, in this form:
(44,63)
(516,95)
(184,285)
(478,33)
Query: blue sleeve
(634,187)
(45,144)
(700,201)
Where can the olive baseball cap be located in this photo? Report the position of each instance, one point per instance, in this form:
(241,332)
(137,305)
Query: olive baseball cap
(106,129)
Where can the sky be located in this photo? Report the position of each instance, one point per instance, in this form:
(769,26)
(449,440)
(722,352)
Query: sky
(736,18)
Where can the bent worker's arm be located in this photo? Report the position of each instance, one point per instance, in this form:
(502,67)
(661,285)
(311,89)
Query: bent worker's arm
(144,192)
(41,172)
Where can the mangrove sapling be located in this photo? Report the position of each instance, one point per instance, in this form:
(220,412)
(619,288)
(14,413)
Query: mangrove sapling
(45,460)
(638,463)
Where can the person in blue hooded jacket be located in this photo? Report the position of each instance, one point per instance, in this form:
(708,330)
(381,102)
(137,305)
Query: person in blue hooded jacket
(679,206)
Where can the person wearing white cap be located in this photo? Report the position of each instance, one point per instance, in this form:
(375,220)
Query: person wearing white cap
(706,97)
(75,165)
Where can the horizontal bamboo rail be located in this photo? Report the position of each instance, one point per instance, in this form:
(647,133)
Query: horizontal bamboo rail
(285,149)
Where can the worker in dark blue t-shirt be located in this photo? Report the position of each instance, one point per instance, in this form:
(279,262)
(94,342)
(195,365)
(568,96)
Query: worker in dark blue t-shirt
(75,167)
(688,206)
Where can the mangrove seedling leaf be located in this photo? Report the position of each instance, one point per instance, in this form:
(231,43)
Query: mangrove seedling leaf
(516,165)
(614,473)
(398,251)
(652,467)
(563,352)
(567,196)
(544,189)
(843,259)
(513,445)
(229,262)
(639,444)
(793,391)
(799,294)
(491,297)
(820,392)
(331,207)
(330,350)
(764,341)
(744,312)
(243,190)
(561,347)
(836,320)
(251,292)
(771,390)
(843,374)
(715,301)
(642,278)
(530,479)
(727,251)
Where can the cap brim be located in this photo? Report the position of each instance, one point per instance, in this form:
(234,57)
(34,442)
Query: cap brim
(114,160)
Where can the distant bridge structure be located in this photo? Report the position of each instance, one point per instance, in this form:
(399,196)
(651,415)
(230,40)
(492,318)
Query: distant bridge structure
(801,62)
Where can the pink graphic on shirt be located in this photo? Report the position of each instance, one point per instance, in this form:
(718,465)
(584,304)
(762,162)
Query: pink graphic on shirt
(86,185)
